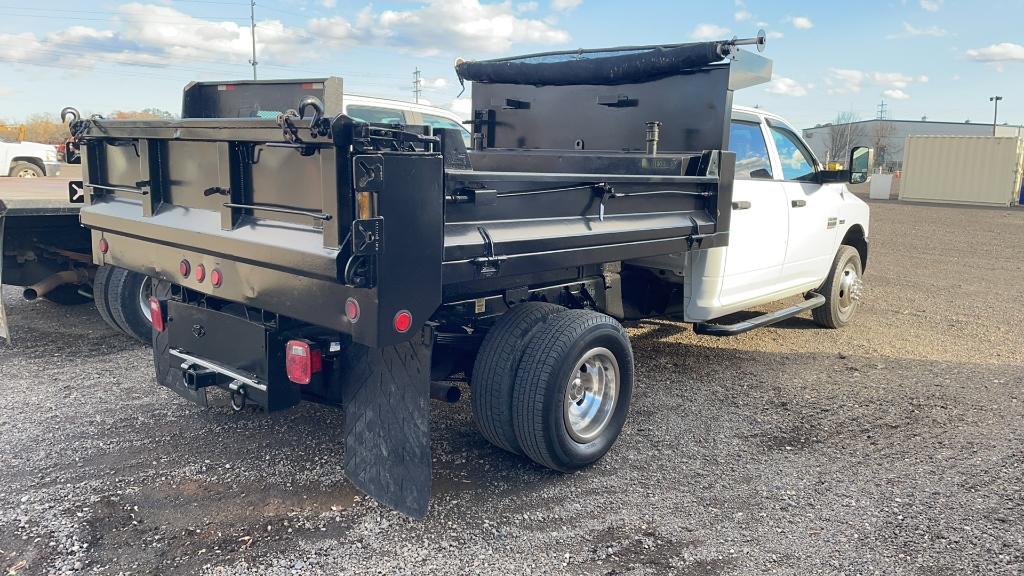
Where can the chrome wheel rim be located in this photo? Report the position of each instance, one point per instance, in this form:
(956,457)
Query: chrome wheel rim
(591,394)
(145,291)
(27,173)
(850,288)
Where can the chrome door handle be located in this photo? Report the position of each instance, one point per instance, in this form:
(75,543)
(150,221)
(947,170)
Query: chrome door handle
(799,203)
(741,205)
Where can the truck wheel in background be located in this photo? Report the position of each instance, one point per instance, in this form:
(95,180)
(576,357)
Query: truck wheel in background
(100,284)
(25,170)
(842,290)
(66,295)
(572,389)
(494,371)
(128,294)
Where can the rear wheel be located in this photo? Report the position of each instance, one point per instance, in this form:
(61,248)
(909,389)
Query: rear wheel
(494,371)
(129,294)
(25,170)
(842,290)
(100,284)
(573,389)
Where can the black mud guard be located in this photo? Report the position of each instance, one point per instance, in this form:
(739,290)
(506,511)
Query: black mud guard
(4,333)
(168,368)
(386,394)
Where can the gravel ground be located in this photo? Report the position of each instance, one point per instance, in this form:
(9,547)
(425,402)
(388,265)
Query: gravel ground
(891,447)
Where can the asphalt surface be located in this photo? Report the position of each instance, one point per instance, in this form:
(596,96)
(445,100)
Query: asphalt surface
(894,446)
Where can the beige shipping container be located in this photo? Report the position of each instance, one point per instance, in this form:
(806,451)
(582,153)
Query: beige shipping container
(982,170)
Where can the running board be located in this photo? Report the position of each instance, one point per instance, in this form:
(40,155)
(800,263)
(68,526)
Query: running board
(814,301)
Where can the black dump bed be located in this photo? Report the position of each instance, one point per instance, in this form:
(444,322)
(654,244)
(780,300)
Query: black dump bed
(299,214)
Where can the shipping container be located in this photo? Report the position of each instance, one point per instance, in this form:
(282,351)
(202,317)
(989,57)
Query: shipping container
(980,170)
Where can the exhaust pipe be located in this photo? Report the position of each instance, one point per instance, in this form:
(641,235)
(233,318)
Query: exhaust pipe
(46,285)
(445,392)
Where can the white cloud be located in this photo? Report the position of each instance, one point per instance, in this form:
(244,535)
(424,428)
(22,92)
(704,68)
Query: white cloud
(1002,52)
(800,22)
(896,94)
(709,32)
(527,7)
(440,25)
(911,31)
(435,83)
(786,87)
(562,5)
(931,5)
(773,35)
(328,3)
(922,78)
(844,80)
(742,15)
(462,106)
(891,79)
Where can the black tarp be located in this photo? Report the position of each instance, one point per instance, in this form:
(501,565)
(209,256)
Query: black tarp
(599,67)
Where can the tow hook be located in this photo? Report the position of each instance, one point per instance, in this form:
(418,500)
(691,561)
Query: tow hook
(238,396)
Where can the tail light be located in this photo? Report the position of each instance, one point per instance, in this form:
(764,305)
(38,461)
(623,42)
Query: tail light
(104,246)
(200,273)
(403,321)
(156,312)
(216,278)
(352,310)
(302,361)
(184,268)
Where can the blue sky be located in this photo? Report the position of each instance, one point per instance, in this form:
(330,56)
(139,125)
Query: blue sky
(937,58)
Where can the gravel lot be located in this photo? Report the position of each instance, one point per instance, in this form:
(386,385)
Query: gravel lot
(892,447)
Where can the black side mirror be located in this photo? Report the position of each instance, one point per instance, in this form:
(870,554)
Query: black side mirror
(860,164)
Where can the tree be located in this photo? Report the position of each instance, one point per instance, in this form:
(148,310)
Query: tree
(843,134)
(881,137)
(145,114)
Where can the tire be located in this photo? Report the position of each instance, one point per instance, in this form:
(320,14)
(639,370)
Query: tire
(25,170)
(841,290)
(128,293)
(66,295)
(494,371)
(100,284)
(543,394)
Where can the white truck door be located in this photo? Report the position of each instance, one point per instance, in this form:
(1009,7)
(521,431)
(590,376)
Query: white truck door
(813,210)
(760,217)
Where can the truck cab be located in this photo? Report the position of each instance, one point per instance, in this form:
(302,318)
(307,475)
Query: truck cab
(788,220)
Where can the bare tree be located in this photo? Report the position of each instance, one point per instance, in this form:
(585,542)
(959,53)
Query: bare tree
(881,137)
(843,134)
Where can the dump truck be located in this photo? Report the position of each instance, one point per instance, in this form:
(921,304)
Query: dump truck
(304,255)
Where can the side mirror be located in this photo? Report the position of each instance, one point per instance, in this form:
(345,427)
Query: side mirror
(860,164)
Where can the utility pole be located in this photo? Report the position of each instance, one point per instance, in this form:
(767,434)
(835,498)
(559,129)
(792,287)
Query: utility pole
(252,29)
(417,85)
(995,116)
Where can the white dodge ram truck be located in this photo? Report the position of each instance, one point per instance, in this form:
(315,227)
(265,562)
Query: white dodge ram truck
(795,229)
(28,159)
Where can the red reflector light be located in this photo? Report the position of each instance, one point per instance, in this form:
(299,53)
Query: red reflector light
(104,246)
(403,321)
(216,278)
(156,311)
(184,268)
(200,273)
(301,361)
(352,310)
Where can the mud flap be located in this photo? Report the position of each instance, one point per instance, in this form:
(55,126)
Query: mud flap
(4,334)
(168,368)
(386,395)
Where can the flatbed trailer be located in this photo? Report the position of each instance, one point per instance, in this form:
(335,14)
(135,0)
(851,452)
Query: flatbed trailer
(314,257)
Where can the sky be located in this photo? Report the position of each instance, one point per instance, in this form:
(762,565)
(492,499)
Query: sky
(940,59)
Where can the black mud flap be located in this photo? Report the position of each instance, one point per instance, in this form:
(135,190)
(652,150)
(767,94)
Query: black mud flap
(4,333)
(168,368)
(387,422)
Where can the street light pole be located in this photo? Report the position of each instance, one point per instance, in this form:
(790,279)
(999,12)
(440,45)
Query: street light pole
(252,30)
(995,117)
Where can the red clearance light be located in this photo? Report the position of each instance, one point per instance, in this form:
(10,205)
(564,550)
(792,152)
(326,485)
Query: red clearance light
(184,268)
(352,310)
(403,321)
(104,246)
(216,278)
(301,361)
(200,273)
(156,310)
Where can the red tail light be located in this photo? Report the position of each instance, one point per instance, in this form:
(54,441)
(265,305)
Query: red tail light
(403,321)
(184,268)
(216,278)
(200,273)
(302,361)
(104,246)
(156,311)
(352,310)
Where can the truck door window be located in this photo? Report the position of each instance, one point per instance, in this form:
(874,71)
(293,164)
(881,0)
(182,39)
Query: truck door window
(747,141)
(375,115)
(439,122)
(797,163)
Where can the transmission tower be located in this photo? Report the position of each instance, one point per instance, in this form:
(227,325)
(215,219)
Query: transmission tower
(883,113)
(417,84)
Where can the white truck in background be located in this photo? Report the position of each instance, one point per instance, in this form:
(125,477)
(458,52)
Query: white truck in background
(28,159)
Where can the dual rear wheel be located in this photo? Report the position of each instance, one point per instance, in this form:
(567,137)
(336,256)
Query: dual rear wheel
(553,384)
(122,299)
